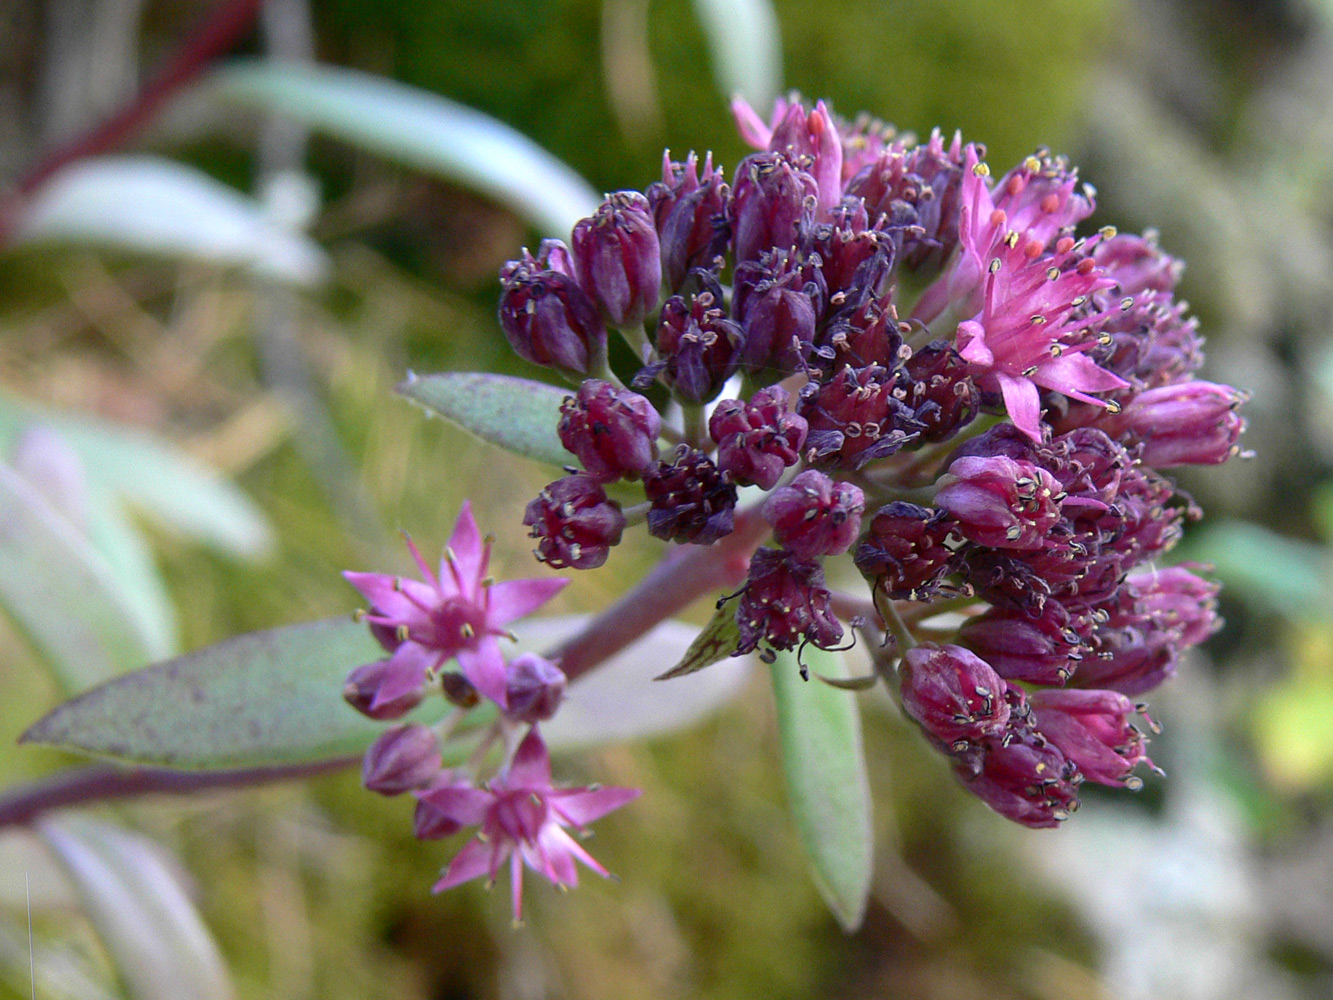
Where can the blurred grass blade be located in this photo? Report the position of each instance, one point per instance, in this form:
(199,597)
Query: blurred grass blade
(820,731)
(1282,574)
(157,941)
(263,698)
(420,129)
(745,49)
(154,475)
(515,413)
(158,206)
(61,594)
(618,701)
(138,581)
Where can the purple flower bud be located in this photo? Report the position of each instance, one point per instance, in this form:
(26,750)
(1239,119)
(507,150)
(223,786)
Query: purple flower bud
(779,299)
(401,759)
(436,815)
(942,395)
(691,216)
(861,334)
(757,440)
(458,690)
(1040,650)
(535,689)
(953,694)
(363,685)
(784,602)
(575,523)
(1092,729)
(771,197)
(618,258)
(815,516)
(1178,600)
(1000,502)
(812,139)
(700,345)
(1137,264)
(546,316)
(1023,777)
(692,500)
(856,416)
(612,431)
(1191,423)
(904,552)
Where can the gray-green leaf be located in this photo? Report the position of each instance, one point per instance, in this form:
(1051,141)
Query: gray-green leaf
(820,732)
(263,698)
(142,913)
(515,413)
(713,644)
(420,129)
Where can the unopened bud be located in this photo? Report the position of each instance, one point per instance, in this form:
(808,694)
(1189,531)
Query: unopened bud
(401,759)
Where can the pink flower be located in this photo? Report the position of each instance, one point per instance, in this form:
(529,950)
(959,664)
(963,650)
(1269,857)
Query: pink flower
(458,615)
(523,820)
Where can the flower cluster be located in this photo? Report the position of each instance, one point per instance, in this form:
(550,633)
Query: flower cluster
(990,446)
(459,615)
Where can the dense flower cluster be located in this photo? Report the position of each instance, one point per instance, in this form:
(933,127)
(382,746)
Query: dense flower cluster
(990,446)
(459,614)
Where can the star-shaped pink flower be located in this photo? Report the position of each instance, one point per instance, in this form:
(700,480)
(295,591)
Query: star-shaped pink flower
(459,614)
(522,820)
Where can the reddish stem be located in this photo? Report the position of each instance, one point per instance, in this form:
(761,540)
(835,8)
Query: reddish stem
(677,581)
(101,782)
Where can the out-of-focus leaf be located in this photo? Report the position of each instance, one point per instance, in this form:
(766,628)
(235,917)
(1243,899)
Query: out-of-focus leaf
(1260,565)
(151,473)
(420,129)
(514,413)
(271,697)
(142,913)
(744,47)
(1290,720)
(158,206)
(140,585)
(618,701)
(41,880)
(820,731)
(713,644)
(61,593)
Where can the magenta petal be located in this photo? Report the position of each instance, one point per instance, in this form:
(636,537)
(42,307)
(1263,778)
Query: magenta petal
(751,127)
(474,859)
(972,344)
(1077,374)
(406,672)
(513,599)
(573,847)
(581,806)
(469,553)
(465,806)
(388,594)
(1023,403)
(554,846)
(531,767)
(484,667)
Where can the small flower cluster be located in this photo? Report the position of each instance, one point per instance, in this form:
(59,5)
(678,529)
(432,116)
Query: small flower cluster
(990,447)
(459,614)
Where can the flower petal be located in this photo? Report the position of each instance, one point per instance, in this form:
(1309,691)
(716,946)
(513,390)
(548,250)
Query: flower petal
(484,666)
(513,599)
(476,858)
(392,596)
(463,805)
(1023,403)
(560,867)
(573,847)
(469,553)
(581,806)
(405,673)
(1075,375)
(531,766)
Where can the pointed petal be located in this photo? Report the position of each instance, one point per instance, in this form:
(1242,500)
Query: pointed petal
(468,551)
(512,599)
(1075,375)
(531,767)
(484,666)
(465,806)
(972,344)
(751,127)
(560,867)
(581,806)
(1023,403)
(474,859)
(406,672)
(573,847)
(392,596)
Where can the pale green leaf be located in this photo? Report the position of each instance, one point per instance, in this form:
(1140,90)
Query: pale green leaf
(517,414)
(820,731)
(714,643)
(745,49)
(151,474)
(142,913)
(61,593)
(420,129)
(258,699)
(158,206)
(1287,575)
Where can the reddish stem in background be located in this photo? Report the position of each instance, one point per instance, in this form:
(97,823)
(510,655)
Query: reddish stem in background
(102,782)
(219,33)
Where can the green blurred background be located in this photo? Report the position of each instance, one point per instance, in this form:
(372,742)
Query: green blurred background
(1212,122)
